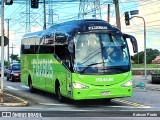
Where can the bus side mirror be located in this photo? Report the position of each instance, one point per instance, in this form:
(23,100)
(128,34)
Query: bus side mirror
(71,47)
(133,41)
(134,44)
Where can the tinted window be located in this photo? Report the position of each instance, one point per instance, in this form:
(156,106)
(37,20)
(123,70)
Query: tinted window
(16,67)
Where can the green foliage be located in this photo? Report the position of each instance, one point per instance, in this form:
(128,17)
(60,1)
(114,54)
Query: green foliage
(5,63)
(157,71)
(150,53)
(148,66)
(14,58)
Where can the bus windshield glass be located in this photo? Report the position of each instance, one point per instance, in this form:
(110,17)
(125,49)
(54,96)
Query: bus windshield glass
(101,53)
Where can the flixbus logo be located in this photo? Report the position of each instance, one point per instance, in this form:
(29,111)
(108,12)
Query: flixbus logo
(42,67)
(104,79)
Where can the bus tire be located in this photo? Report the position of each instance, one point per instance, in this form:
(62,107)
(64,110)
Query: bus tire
(107,100)
(31,88)
(59,95)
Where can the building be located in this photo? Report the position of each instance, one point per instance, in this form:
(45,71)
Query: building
(156,60)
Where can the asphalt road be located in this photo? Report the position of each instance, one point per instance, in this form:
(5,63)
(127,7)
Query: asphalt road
(143,102)
(142,99)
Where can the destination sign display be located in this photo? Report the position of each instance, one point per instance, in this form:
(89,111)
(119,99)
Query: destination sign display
(97,27)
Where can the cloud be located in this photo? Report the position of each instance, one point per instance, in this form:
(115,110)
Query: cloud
(151,13)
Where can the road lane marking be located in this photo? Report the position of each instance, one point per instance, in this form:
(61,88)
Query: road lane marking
(12,88)
(66,105)
(24,86)
(131,103)
(53,104)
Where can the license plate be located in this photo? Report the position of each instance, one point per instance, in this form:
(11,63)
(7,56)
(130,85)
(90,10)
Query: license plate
(105,93)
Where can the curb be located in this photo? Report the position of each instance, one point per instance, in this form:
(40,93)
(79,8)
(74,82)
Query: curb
(20,104)
(152,89)
(147,88)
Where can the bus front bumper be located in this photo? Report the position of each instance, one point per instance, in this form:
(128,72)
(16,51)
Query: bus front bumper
(80,94)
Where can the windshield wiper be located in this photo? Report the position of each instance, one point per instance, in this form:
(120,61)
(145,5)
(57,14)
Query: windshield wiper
(89,66)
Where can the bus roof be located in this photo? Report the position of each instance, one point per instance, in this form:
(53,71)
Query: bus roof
(70,28)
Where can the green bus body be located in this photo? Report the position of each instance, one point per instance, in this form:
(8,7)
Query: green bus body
(45,72)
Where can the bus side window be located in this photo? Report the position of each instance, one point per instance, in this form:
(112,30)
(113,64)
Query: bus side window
(63,53)
(22,49)
(45,49)
(27,49)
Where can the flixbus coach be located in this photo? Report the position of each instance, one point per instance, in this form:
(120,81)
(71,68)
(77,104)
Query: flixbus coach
(79,59)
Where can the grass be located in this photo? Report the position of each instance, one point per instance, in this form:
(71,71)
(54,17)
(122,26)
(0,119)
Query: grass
(147,65)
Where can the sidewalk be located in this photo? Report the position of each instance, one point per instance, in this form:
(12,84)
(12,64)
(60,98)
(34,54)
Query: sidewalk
(12,100)
(141,82)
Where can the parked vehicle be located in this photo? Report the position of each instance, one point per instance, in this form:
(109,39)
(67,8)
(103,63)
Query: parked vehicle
(5,71)
(13,72)
(155,76)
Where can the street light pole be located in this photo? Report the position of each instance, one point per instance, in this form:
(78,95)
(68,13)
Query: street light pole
(44,14)
(145,69)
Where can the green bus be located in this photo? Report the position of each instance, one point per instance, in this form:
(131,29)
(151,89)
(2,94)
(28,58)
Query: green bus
(78,59)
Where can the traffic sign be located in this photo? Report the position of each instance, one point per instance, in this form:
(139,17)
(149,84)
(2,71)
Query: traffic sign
(6,41)
(134,12)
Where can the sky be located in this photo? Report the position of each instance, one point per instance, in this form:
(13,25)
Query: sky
(148,9)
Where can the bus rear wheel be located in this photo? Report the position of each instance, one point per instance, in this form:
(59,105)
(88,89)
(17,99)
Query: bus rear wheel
(31,88)
(59,95)
(107,100)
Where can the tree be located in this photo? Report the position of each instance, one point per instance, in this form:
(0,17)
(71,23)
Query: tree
(14,57)
(150,55)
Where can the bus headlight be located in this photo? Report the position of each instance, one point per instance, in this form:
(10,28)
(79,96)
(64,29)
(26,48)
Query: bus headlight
(79,86)
(129,83)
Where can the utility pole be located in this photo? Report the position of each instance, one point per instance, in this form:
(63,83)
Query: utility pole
(8,41)
(28,16)
(12,53)
(108,13)
(44,6)
(88,8)
(117,13)
(2,51)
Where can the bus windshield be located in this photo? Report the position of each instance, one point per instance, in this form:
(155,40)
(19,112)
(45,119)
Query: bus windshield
(101,53)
